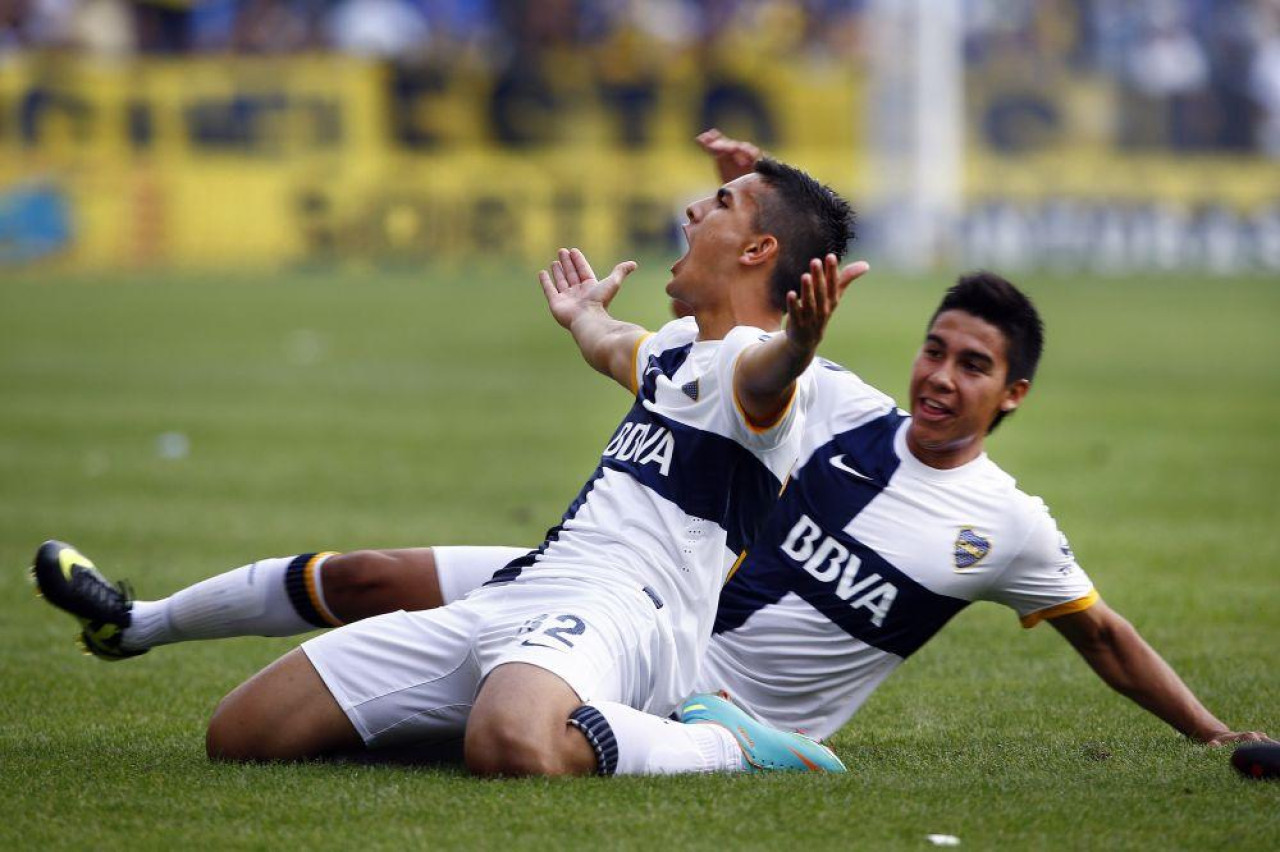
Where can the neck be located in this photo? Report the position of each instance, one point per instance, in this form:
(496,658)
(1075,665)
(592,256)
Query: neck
(945,455)
(742,305)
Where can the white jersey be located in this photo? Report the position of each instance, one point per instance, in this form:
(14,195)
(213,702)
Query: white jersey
(681,488)
(867,554)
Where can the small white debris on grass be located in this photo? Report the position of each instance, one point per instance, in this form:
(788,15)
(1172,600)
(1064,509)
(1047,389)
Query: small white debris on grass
(943,839)
(172,446)
(96,463)
(304,347)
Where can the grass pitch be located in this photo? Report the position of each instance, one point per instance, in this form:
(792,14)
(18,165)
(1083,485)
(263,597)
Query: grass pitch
(174,428)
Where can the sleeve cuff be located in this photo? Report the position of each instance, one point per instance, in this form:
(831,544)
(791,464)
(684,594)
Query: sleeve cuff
(635,359)
(761,428)
(1077,605)
(753,426)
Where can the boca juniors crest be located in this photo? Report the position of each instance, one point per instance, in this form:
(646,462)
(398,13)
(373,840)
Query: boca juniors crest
(970,549)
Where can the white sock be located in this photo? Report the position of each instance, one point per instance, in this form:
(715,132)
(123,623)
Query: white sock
(631,742)
(272,597)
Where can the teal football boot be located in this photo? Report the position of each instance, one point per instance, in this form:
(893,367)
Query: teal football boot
(764,749)
(68,580)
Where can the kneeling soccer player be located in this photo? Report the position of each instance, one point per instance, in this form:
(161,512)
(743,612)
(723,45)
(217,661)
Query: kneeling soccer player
(547,667)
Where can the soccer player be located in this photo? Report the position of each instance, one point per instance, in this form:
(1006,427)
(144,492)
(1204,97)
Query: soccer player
(611,614)
(890,526)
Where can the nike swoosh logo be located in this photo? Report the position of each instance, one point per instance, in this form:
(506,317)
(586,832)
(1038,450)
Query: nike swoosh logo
(69,558)
(838,462)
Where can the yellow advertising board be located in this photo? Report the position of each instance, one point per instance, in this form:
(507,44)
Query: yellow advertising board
(216,162)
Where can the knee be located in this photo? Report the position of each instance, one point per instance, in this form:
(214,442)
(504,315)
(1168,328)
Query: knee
(504,746)
(284,712)
(232,736)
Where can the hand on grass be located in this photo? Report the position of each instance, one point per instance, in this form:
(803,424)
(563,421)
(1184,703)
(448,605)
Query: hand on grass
(1237,737)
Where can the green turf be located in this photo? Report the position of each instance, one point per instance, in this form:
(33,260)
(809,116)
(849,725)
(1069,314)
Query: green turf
(371,409)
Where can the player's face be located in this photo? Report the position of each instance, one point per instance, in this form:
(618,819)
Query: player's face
(957,388)
(720,230)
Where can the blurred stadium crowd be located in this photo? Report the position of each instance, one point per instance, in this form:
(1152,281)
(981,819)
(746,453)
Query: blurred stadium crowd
(1192,75)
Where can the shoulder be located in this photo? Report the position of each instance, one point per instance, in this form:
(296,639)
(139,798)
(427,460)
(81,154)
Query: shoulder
(840,386)
(1042,540)
(739,339)
(999,490)
(745,335)
(841,400)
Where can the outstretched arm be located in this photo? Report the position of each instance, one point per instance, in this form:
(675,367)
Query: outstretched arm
(1130,666)
(765,378)
(580,303)
(734,158)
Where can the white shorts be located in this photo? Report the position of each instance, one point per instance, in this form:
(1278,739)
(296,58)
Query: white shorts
(405,678)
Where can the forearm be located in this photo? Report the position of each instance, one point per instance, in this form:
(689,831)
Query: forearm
(1130,666)
(606,343)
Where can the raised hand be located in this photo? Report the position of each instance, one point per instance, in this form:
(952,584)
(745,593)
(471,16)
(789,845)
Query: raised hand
(810,309)
(734,158)
(572,289)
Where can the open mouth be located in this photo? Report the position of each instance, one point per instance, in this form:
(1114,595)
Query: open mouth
(680,261)
(684,229)
(931,409)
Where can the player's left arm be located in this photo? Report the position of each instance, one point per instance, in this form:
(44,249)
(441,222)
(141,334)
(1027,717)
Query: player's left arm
(1124,660)
(580,302)
(733,157)
(764,379)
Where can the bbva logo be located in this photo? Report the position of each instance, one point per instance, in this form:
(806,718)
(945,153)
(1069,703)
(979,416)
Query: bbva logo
(644,443)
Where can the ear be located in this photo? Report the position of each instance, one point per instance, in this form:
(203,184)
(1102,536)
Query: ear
(761,250)
(1014,394)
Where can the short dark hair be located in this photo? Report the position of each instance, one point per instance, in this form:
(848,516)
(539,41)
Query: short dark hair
(809,220)
(993,299)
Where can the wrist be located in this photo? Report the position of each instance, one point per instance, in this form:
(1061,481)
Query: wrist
(1208,732)
(587,313)
(800,352)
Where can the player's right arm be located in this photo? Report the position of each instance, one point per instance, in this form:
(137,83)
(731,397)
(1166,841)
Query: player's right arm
(580,303)
(1044,583)
(1125,662)
(764,381)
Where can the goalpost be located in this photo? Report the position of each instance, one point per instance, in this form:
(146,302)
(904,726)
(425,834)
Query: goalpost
(915,129)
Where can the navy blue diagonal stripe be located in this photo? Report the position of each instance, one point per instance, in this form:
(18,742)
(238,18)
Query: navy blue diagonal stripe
(829,496)
(664,363)
(709,476)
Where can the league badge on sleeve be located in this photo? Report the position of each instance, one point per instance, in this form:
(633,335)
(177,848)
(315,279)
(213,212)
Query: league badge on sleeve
(970,549)
(1068,558)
